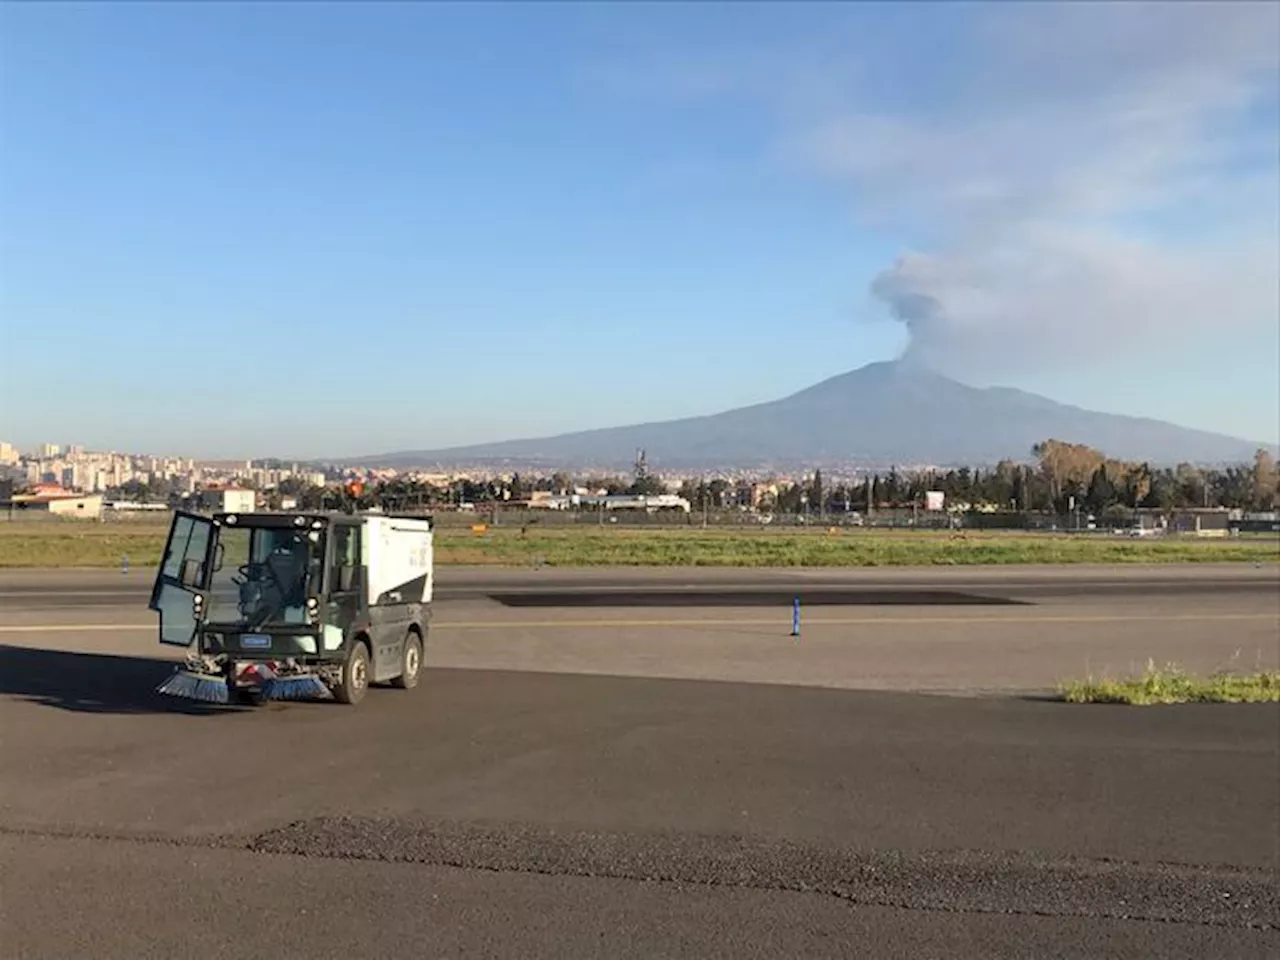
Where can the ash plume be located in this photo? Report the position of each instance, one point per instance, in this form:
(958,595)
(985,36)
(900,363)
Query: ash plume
(1067,219)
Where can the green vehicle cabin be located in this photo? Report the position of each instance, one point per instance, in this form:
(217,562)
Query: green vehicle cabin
(294,605)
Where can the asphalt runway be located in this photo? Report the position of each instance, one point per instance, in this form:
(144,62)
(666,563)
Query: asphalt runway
(957,630)
(646,764)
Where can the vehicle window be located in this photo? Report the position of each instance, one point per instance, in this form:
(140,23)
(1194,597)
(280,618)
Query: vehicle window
(224,588)
(190,541)
(346,551)
(264,576)
(177,547)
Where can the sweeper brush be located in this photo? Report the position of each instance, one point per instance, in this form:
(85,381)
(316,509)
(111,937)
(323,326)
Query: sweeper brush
(207,687)
(297,687)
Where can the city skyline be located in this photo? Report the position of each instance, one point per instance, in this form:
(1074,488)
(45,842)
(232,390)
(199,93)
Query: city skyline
(443,225)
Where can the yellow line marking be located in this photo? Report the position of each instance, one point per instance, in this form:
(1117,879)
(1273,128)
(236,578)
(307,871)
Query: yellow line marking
(709,622)
(82,627)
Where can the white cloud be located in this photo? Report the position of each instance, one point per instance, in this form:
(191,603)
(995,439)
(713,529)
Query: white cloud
(1040,188)
(1085,175)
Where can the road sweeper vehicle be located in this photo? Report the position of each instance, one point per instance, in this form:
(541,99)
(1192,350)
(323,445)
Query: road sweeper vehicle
(294,606)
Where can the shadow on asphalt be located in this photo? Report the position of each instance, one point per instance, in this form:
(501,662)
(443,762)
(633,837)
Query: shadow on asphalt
(702,597)
(93,683)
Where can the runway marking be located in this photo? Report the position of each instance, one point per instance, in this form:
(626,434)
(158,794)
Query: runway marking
(709,622)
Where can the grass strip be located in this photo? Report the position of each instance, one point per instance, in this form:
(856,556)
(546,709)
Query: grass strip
(53,544)
(1171,684)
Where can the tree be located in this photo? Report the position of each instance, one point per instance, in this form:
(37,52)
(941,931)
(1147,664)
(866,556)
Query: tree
(1063,464)
(890,489)
(816,492)
(1102,492)
(1235,486)
(1137,485)
(789,498)
(998,486)
(1264,480)
(719,486)
(1020,492)
(1193,486)
(1165,493)
(646,486)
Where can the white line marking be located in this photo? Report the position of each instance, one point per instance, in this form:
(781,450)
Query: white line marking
(711,622)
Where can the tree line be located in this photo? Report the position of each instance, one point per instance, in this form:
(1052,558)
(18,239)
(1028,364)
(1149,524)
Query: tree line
(1060,477)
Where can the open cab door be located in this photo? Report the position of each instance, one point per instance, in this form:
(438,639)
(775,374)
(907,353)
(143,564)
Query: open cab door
(183,577)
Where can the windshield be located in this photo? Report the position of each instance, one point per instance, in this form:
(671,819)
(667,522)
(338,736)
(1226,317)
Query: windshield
(263,576)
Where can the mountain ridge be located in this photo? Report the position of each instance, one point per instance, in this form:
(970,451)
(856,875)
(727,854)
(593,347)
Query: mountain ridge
(884,412)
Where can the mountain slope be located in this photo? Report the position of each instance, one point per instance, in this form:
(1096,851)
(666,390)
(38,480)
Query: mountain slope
(881,413)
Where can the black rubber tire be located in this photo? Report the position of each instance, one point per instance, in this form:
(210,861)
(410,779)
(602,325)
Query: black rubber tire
(410,662)
(354,682)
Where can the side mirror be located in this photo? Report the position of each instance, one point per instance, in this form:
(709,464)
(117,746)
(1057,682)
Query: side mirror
(346,579)
(218,553)
(190,576)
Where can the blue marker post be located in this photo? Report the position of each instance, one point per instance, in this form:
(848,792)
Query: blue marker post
(795,617)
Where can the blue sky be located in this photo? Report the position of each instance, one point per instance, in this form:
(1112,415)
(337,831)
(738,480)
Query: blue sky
(338,229)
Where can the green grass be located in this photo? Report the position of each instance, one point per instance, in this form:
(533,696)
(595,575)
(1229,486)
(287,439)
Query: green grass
(80,544)
(1172,685)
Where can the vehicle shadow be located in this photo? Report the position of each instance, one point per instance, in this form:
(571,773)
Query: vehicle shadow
(94,683)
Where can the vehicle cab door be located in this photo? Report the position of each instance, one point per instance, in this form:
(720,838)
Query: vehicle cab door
(183,578)
(344,607)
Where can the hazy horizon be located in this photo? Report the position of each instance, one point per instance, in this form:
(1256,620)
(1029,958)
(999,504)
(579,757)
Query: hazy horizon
(427,226)
(338,456)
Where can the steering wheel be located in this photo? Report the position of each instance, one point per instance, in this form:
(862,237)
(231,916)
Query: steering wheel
(252,573)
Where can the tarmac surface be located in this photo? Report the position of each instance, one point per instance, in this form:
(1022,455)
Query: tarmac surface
(646,764)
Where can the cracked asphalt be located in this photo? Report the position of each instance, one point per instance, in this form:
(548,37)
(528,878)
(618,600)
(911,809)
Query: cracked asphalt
(535,813)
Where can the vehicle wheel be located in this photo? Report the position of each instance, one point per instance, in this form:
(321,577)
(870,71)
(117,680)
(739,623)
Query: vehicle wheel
(410,662)
(354,682)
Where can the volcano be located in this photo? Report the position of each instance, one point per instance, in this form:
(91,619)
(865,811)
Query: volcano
(883,413)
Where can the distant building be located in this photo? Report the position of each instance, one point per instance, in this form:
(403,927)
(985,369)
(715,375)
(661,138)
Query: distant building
(651,504)
(134,506)
(1201,523)
(1264,521)
(78,476)
(230,500)
(8,454)
(546,500)
(60,503)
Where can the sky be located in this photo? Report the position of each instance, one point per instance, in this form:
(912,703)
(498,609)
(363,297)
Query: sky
(330,230)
